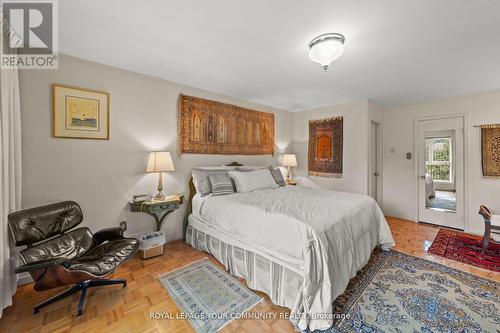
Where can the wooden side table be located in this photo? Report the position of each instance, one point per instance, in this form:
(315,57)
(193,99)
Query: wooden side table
(159,210)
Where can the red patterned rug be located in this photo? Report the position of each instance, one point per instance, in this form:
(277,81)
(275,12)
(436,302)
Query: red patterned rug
(466,248)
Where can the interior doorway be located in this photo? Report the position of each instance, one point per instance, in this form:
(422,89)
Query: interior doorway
(441,171)
(375,173)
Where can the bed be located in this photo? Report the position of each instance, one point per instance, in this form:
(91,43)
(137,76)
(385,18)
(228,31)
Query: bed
(300,246)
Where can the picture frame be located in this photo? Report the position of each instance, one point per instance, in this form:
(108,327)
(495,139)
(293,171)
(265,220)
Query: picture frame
(79,113)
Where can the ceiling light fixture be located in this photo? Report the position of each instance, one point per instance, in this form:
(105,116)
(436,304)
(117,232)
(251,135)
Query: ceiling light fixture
(326,48)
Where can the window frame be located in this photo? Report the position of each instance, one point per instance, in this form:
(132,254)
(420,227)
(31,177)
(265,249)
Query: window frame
(431,160)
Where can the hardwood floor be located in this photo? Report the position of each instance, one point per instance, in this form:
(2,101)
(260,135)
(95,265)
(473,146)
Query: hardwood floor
(116,309)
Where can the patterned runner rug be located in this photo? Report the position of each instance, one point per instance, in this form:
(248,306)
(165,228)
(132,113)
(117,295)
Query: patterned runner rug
(208,296)
(466,248)
(399,293)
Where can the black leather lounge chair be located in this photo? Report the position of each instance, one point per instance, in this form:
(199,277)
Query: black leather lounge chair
(58,255)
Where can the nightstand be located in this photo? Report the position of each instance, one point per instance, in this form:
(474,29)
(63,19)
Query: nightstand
(159,210)
(291,182)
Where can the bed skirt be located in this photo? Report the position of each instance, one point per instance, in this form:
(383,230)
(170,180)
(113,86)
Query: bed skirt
(281,282)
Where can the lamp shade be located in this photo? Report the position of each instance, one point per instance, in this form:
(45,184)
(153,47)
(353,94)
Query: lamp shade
(160,161)
(289,160)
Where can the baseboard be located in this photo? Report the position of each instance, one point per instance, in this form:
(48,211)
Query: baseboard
(399,218)
(24,278)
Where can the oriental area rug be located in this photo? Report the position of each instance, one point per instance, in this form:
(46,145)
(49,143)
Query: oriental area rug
(466,248)
(400,293)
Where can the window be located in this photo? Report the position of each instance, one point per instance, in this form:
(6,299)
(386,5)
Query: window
(438,158)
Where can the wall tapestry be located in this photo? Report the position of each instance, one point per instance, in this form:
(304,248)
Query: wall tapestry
(79,113)
(490,138)
(209,127)
(325,147)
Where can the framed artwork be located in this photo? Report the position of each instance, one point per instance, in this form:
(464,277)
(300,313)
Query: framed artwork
(79,113)
(326,138)
(490,150)
(210,127)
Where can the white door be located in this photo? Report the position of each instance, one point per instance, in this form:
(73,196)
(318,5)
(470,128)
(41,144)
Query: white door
(441,171)
(375,176)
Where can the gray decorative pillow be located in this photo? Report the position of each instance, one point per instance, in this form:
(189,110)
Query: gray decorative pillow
(200,178)
(278,176)
(221,184)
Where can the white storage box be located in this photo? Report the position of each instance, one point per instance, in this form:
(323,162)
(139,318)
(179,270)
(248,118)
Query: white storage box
(151,245)
(151,240)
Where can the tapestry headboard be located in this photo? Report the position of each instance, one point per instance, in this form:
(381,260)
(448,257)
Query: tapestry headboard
(192,192)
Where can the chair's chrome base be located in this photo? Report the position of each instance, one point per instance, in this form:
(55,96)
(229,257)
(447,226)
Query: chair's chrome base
(83,286)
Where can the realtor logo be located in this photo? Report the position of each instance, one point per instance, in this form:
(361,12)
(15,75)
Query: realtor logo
(30,34)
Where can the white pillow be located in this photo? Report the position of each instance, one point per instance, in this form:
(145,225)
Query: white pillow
(250,167)
(248,181)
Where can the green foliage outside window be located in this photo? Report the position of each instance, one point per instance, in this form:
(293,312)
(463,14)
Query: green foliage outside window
(438,158)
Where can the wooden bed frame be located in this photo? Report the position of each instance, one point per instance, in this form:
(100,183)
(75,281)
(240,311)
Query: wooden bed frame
(192,192)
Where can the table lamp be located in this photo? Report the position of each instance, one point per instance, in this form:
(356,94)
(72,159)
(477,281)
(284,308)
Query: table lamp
(160,161)
(289,160)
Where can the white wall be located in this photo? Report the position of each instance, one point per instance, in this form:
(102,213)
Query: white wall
(103,175)
(399,173)
(356,148)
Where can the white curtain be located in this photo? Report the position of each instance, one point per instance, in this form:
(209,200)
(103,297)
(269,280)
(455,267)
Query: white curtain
(10,174)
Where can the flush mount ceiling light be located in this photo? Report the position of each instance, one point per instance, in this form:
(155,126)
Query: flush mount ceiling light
(326,48)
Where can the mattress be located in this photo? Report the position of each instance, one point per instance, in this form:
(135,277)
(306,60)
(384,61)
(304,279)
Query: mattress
(200,225)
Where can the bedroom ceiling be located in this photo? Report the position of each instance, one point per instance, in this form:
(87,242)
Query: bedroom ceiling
(396,52)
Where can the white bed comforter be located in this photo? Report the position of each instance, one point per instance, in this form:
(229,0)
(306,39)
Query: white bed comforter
(329,235)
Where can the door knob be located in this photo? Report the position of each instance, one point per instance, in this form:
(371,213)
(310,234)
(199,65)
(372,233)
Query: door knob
(423,177)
